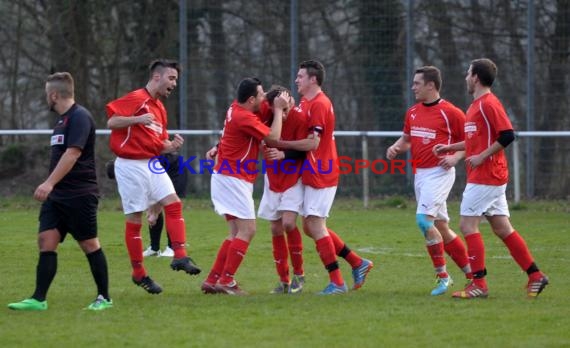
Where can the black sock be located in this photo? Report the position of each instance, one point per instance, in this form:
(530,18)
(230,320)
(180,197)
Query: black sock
(155,231)
(45,272)
(98,264)
(344,251)
(533,268)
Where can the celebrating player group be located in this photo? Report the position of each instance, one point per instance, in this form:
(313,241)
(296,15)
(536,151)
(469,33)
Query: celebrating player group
(272,126)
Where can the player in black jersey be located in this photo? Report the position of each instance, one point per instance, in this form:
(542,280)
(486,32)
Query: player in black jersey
(70,196)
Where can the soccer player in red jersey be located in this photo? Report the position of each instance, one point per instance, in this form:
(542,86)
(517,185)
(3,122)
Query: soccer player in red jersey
(138,123)
(320,174)
(488,131)
(432,121)
(233,177)
(282,199)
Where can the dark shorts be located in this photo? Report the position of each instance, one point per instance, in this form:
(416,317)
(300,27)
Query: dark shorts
(77,216)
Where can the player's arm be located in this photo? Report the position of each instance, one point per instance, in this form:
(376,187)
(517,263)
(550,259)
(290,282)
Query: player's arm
(280,103)
(506,137)
(272,153)
(308,144)
(401,145)
(66,162)
(118,122)
(440,149)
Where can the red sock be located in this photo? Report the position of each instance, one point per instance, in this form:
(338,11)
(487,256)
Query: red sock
(236,253)
(325,248)
(435,252)
(344,251)
(280,256)
(134,244)
(218,266)
(176,228)
(476,252)
(458,253)
(519,250)
(295,244)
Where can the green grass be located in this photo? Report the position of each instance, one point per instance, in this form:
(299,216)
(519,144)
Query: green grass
(392,309)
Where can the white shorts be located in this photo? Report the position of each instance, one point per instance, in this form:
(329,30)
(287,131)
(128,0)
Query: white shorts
(486,200)
(432,187)
(318,201)
(273,204)
(139,187)
(232,196)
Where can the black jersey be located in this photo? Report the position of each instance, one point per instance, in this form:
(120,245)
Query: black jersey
(75,128)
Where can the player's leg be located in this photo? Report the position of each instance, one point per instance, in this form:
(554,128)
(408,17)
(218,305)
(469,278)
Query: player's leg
(290,206)
(82,221)
(155,221)
(280,256)
(316,207)
(208,286)
(48,239)
(133,182)
(236,253)
(520,252)
(176,229)
(295,247)
(432,187)
(98,265)
(454,247)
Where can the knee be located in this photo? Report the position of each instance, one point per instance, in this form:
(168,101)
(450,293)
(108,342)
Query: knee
(424,223)
(289,225)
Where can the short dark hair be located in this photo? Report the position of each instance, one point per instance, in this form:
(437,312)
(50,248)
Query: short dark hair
(485,70)
(160,64)
(62,83)
(314,68)
(247,88)
(273,92)
(431,74)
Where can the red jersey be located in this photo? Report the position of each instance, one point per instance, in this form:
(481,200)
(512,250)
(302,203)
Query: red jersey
(323,161)
(239,145)
(486,118)
(138,141)
(427,125)
(284,174)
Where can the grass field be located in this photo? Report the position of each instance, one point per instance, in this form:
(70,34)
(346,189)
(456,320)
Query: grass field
(392,309)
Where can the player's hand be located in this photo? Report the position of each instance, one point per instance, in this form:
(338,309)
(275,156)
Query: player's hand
(145,119)
(448,162)
(42,191)
(177,142)
(282,100)
(474,161)
(212,153)
(272,153)
(392,152)
(439,149)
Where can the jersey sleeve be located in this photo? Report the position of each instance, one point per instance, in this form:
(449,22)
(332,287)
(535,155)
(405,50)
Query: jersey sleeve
(317,119)
(407,127)
(127,105)
(78,130)
(457,125)
(497,117)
